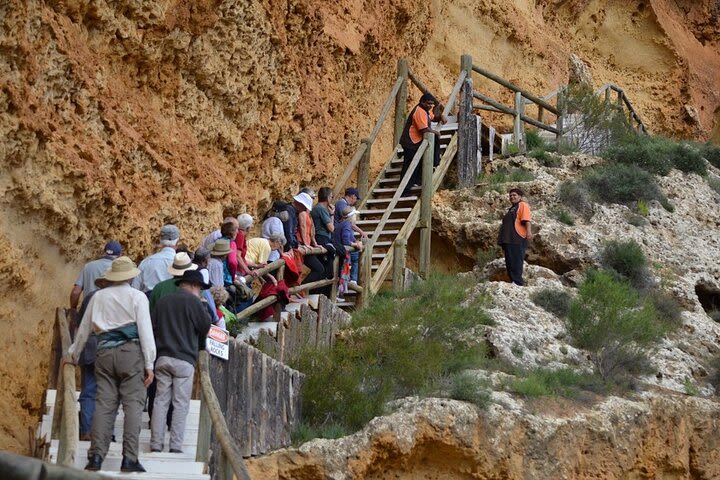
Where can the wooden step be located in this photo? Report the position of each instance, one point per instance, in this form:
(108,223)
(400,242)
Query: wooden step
(384,233)
(380,212)
(375,221)
(384,201)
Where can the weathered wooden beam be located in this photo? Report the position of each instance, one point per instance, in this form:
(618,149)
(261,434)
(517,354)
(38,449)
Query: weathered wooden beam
(227,443)
(518,126)
(515,88)
(467,130)
(401,101)
(202,452)
(363,176)
(426,204)
(399,251)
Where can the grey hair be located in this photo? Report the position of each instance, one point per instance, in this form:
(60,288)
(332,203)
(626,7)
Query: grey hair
(245,221)
(277,237)
(169,243)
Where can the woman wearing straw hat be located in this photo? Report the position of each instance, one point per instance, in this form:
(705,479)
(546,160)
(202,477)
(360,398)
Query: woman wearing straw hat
(120,317)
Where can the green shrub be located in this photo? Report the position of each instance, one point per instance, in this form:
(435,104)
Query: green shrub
(467,388)
(620,183)
(714,183)
(627,259)
(487,255)
(658,155)
(533,140)
(402,344)
(649,153)
(667,308)
(642,208)
(562,215)
(305,432)
(577,197)
(503,175)
(609,319)
(564,382)
(690,388)
(711,153)
(555,301)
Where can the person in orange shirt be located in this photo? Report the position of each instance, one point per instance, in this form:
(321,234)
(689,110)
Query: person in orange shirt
(515,233)
(417,124)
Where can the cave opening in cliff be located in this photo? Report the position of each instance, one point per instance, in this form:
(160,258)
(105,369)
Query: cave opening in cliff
(709,297)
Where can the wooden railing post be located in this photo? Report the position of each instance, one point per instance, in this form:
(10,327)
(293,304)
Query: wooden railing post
(336,276)
(467,130)
(401,101)
(363,176)
(202,453)
(426,205)
(519,125)
(400,248)
(366,272)
(559,122)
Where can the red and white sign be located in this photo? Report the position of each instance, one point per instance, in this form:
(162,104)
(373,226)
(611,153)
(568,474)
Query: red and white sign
(217,343)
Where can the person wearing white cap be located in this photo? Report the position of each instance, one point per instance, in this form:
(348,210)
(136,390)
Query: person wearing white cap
(120,317)
(153,269)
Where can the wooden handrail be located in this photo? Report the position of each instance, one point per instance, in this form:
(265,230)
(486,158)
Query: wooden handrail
(398,193)
(360,151)
(65,409)
(412,219)
(391,157)
(515,88)
(227,443)
(509,111)
(389,103)
(454,94)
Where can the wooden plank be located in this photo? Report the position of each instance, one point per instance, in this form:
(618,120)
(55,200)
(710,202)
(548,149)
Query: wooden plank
(247,411)
(426,206)
(264,421)
(217,418)
(202,452)
(515,88)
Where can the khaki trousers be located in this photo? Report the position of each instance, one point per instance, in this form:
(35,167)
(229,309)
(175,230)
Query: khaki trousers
(174,383)
(120,373)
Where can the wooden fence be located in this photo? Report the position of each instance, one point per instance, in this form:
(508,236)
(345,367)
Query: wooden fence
(259,398)
(302,329)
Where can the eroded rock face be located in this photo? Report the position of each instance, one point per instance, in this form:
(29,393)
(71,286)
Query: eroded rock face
(681,246)
(116,117)
(650,437)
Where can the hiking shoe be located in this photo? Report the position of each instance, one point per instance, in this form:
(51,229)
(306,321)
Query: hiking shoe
(94,462)
(175,450)
(128,466)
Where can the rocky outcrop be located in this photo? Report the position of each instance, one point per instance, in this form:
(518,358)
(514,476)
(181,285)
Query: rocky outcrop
(117,116)
(654,436)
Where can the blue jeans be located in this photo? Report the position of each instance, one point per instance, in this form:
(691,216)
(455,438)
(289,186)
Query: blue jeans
(354,266)
(87,398)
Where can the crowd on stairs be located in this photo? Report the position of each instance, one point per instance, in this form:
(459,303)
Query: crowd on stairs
(139,328)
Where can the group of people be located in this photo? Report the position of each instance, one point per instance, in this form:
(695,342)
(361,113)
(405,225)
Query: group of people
(140,327)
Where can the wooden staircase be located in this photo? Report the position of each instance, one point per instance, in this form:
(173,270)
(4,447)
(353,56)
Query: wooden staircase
(160,466)
(380,195)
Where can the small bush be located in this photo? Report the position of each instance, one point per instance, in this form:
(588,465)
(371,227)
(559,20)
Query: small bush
(503,175)
(562,215)
(577,197)
(564,382)
(553,300)
(627,259)
(688,159)
(658,155)
(714,183)
(487,255)
(619,183)
(690,388)
(533,141)
(711,153)
(667,307)
(642,208)
(305,432)
(609,319)
(402,344)
(467,388)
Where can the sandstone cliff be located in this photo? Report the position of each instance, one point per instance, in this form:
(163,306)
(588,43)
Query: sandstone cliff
(119,115)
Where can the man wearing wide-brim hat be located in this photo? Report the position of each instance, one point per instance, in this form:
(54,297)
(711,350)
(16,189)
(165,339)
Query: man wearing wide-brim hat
(217,267)
(180,324)
(120,317)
